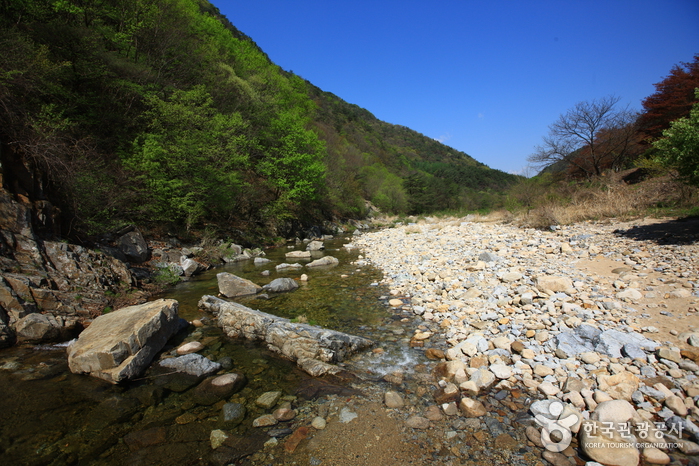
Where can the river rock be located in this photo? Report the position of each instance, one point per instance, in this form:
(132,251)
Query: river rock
(121,344)
(281,285)
(266,420)
(230,285)
(417,422)
(193,364)
(553,283)
(619,386)
(191,347)
(615,411)
(214,389)
(325,261)
(217,438)
(393,399)
(316,368)
(347,416)
(318,423)
(654,456)
(37,327)
(232,414)
(268,399)
(472,408)
(603,443)
(315,245)
(298,255)
(285,266)
(191,267)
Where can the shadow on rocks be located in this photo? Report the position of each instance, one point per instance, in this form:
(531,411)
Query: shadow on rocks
(311,389)
(681,231)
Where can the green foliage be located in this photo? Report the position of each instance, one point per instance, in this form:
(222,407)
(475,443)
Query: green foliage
(165,276)
(162,111)
(679,147)
(189,157)
(292,164)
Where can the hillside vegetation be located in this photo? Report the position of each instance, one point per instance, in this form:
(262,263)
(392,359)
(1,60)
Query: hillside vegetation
(162,113)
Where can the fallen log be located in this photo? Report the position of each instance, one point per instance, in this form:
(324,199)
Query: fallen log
(314,349)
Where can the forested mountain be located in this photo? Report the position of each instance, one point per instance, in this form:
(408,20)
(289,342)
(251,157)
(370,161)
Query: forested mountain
(162,113)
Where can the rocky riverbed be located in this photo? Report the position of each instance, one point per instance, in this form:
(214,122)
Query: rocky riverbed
(565,346)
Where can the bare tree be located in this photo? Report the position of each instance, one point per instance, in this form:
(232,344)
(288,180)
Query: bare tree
(590,137)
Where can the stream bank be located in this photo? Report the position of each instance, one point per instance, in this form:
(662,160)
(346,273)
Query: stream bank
(55,417)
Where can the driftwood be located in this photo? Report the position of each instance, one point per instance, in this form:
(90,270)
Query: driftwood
(314,349)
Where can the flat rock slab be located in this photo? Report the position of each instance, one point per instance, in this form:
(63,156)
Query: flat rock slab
(120,345)
(313,348)
(230,285)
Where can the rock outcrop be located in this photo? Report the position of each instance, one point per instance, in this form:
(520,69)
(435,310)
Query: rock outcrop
(313,348)
(121,344)
(64,284)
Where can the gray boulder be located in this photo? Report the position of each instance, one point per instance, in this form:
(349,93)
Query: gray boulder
(134,246)
(37,327)
(610,342)
(120,345)
(230,285)
(192,364)
(191,267)
(280,285)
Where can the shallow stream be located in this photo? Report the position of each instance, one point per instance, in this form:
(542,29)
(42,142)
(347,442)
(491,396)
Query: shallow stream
(53,417)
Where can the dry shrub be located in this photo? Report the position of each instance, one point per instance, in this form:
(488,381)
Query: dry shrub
(574,204)
(412,229)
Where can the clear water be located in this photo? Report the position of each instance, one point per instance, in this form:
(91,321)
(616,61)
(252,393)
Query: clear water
(53,417)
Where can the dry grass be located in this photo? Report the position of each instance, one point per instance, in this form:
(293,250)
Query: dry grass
(612,200)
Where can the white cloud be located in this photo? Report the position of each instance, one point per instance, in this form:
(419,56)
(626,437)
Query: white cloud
(443,138)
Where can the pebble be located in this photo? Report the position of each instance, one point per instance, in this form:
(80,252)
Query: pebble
(418,422)
(191,347)
(512,309)
(318,423)
(393,400)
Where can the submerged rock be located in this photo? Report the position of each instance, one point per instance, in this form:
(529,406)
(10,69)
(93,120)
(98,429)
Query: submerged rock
(193,364)
(121,344)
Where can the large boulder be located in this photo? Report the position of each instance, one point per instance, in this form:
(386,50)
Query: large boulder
(134,246)
(230,285)
(120,345)
(37,327)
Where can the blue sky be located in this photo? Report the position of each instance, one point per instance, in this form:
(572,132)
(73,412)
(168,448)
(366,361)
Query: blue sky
(486,77)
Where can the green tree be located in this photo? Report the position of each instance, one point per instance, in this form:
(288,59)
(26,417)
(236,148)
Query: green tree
(189,158)
(679,147)
(292,162)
